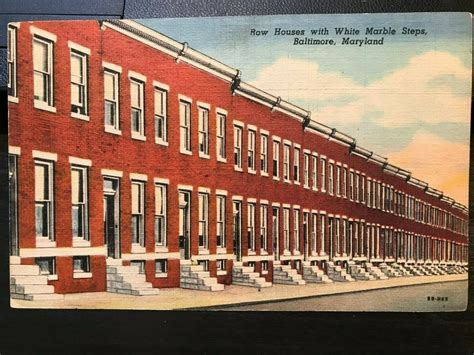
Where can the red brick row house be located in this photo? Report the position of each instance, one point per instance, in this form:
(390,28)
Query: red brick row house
(138,163)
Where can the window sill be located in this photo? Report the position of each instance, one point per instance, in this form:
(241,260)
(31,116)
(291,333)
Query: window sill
(252,252)
(79,242)
(203,252)
(263,252)
(221,250)
(161,142)
(315,189)
(221,160)
(306,187)
(240,170)
(138,137)
(323,190)
(204,155)
(161,275)
(80,116)
(138,249)
(297,183)
(264,272)
(41,105)
(13,99)
(253,172)
(161,249)
(263,173)
(42,242)
(113,130)
(221,272)
(185,152)
(286,181)
(296,252)
(276,178)
(82,275)
(286,252)
(52,277)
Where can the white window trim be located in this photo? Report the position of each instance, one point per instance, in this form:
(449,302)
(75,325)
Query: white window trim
(45,155)
(139,79)
(112,67)
(137,76)
(41,105)
(185,187)
(78,47)
(206,107)
(139,177)
(42,33)
(239,123)
(15,99)
(221,192)
(113,173)
(80,161)
(160,85)
(14,150)
(204,190)
(157,180)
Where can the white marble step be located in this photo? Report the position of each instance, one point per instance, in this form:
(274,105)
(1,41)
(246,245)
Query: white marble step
(29,280)
(33,289)
(24,270)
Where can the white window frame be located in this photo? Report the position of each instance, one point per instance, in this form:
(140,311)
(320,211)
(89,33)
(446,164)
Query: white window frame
(221,221)
(161,215)
(84,171)
(113,127)
(238,138)
(306,170)
(351,185)
(286,162)
(344,181)
(139,109)
(251,206)
(331,178)
(47,200)
(139,213)
(203,130)
(286,229)
(314,233)
(314,172)
(160,108)
(296,165)
(221,131)
(12,50)
(203,220)
(80,109)
(47,103)
(263,227)
(322,165)
(251,144)
(338,180)
(276,159)
(263,154)
(296,230)
(357,185)
(185,117)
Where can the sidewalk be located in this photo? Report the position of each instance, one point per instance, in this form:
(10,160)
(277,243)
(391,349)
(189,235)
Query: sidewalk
(179,299)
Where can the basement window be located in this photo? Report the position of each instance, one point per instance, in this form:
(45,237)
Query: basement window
(140,264)
(47,266)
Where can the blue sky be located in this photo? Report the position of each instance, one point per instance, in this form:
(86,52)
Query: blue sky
(411,88)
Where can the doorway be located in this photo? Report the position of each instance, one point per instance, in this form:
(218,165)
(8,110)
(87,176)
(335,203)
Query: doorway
(184,225)
(111,217)
(237,229)
(275,233)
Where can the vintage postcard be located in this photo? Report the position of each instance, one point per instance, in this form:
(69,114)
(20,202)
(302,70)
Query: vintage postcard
(289,163)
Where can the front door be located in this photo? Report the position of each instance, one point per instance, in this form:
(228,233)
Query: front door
(111,217)
(12,204)
(237,233)
(184,225)
(275,233)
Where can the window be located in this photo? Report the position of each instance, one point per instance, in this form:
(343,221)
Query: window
(276,159)
(203,132)
(323,233)
(251,151)
(221,265)
(138,213)
(306,170)
(44,199)
(315,172)
(203,220)
(13,202)
(286,229)
(331,178)
(314,233)
(338,180)
(362,189)
(79,76)
(264,267)
(251,226)
(80,216)
(43,70)
(357,178)
(81,264)
(296,230)
(344,182)
(137,110)
(296,166)
(369,192)
(220,221)
(286,162)
(140,264)
(160,214)
(11,59)
(220,132)
(111,99)
(263,227)
(264,154)
(323,174)
(238,147)
(161,115)
(161,266)
(185,126)
(47,266)
(351,186)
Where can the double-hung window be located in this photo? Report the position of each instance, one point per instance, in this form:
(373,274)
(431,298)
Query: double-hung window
(221,136)
(137,103)
(220,220)
(344,182)
(160,214)
(264,155)
(12,61)
(251,151)
(238,148)
(276,160)
(338,180)
(111,100)
(314,174)
(331,179)
(203,123)
(286,162)
(286,229)
(185,126)
(322,240)
(296,230)
(306,170)
(251,226)
(203,220)
(43,70)
(138,213)
(79,189)
(296,165)
(79,80)
(263,227)
(323,174)
(351,185)
(161,114)
(314,233)
(44,208)
(357,179)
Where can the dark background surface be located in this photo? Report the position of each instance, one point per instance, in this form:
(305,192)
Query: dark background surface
(131,332)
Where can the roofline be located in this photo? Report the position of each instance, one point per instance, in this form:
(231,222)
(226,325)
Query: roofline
(182,52)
